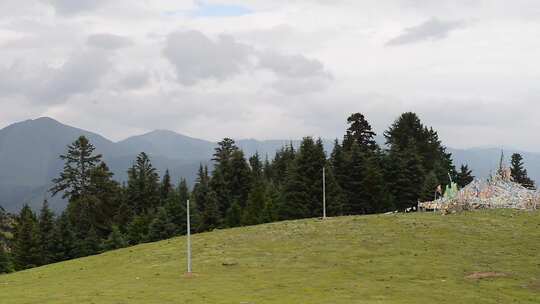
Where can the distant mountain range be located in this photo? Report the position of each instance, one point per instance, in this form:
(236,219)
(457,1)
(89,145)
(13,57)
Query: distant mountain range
(29,159)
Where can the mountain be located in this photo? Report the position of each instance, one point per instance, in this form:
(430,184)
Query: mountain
(29,159)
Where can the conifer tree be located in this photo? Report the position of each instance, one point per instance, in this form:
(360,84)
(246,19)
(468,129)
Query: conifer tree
(464,176)
(5,262)
(79,160)
(26,246)
(115,240)
(143,186)
(210,218)
(64,239)
(166,186)
(373,188)
(359,131)
(176,207)
(335,198)
(354,174)
(519,173)
(296,198)
(137,230)
(253,213)
(46,234)
(283,159)
(234,215)
(429,188)
(161,227)
(240,179)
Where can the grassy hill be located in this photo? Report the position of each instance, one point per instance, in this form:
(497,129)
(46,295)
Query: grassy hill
(477,257)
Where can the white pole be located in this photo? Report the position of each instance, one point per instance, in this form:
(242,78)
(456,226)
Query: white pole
(324,192)
(188,240)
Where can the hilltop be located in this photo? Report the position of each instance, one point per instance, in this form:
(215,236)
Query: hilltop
(489,256)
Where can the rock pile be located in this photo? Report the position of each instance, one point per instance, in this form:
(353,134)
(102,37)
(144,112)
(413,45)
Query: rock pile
(497,192)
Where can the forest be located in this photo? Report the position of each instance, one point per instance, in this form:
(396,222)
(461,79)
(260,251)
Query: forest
(362,177)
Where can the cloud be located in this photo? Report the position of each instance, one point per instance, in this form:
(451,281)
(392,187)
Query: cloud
(81,73)
(432,29)
(70,7)
(196,57)
(108,41)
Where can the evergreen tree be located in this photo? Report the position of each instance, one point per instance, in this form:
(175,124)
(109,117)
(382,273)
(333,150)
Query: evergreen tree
(115,240)
(26,246)
(90,245)
(5,263)
(373,188)
(64,239)
(405,177)
(161,228)
(464,176)
(234,215)
(295,202)
(283,159)
(354,174)
(108,198)
(359,131)
(519,173)
(272,206)
(253,213)
(176,207)
(335,198)
(143,186)
(46,234)
(240,179)
(80,159)
(166,186)
(210,218)
(137,230)
(429,188)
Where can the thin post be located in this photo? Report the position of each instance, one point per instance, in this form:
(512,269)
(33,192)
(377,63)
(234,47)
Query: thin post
(188,240)
(324,192)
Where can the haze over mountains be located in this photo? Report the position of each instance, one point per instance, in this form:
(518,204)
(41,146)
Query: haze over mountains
(29,159)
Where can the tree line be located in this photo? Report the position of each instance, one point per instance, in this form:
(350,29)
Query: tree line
(361,178)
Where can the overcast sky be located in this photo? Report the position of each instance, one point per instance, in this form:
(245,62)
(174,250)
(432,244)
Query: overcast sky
(275,69)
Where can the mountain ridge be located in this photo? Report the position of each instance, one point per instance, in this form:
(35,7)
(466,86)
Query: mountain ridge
(30,149)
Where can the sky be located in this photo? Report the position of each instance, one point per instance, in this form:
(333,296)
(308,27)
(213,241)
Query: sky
(278,69)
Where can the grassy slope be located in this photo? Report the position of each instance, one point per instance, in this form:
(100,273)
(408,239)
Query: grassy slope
(412,258)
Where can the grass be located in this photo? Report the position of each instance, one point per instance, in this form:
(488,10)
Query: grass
(399,258)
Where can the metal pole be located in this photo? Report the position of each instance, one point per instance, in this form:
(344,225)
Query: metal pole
(324,192)
(188,239)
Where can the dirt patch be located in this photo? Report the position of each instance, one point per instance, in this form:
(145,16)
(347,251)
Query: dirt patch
(485,275)
(535,286)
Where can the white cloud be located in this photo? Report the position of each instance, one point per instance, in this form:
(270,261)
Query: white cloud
(286,69)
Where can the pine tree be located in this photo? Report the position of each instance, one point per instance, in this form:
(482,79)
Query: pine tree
(234,215)
(464,176)
(429,188)
(64,239)
(80,159)
(137,230)
(90,245)
(143,186)
(335,197)
(46,234)
(161,227)
(373,188)
(240,179)
(116,240)
(283,159)
(26,245)
(166,186)
(359,131)
(354,174)
(176,207)
(405,176)
(519,173)
(210,217)
(5,263)
(109,197)
(296,200)
(253,213)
